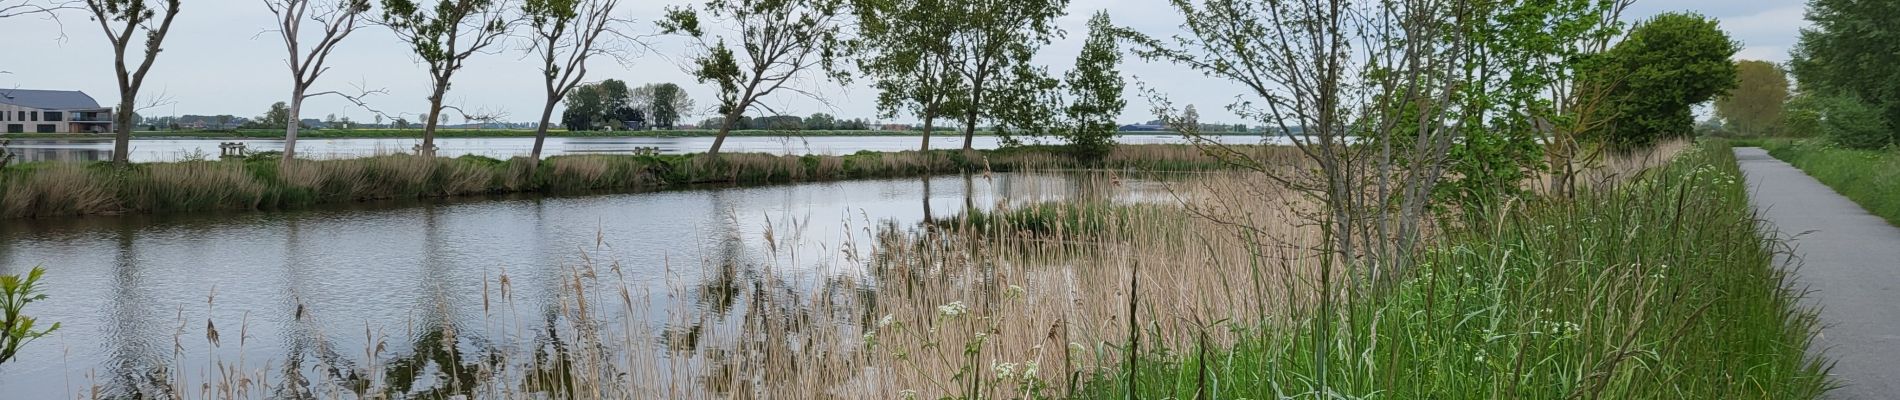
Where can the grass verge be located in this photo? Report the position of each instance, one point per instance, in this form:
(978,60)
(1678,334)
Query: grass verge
(1663,287)
(1869,177)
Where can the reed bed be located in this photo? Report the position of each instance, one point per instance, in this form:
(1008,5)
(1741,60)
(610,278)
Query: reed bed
(61,189)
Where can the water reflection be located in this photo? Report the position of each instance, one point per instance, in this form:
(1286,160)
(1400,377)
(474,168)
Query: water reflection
(421,298)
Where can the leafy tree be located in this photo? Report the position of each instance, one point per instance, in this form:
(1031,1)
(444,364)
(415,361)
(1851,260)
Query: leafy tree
(277,117)
(133,19)
(821,122)
(909,53)
(1851,50)
(669,103)
(1095,90)
(336,19)
(1667,65)
(990,51)
(443,37)
(598,105)
(1802,115)
(778,40)
(1852,123)
(566,33)
(1754,108)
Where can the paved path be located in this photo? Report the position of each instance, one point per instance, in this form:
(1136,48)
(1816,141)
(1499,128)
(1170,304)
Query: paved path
(1851,261)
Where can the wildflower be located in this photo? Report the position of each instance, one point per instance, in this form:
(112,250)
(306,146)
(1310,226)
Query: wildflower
(885,322)
(1015,292)
(1029,369)
(952,310)
(1004,371)
(907,394)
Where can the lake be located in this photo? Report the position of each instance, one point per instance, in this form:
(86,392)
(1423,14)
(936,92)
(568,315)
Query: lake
(136,296)
(150,150)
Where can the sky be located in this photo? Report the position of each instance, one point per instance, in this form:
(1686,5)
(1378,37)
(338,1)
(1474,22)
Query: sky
(220,59)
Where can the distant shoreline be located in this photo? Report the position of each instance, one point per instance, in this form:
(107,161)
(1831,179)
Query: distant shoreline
(508,133)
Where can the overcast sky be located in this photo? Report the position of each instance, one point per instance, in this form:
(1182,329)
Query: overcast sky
(219,60)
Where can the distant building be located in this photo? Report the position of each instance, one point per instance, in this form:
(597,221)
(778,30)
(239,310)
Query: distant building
(52,111)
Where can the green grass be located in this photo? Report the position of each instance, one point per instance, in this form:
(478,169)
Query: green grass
(1663,288)
(47,189)
(1869,177)
(1065,219)
(499,133)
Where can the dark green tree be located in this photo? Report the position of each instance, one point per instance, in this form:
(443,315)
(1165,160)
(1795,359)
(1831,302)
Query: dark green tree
(909,54)
(668,104)
(990,50)
(1665,67)
(821,122)
(1095,93)
(1852,50)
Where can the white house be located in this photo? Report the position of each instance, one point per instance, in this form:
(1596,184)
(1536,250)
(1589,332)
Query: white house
(52,111)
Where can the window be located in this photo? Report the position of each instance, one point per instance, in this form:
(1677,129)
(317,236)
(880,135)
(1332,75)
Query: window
(54,116)
(22,116)
(35,115)
(16,128)
(48,128)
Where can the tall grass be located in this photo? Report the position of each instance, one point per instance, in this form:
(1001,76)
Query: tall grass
(1662,287)
(1869,177)
(58,189)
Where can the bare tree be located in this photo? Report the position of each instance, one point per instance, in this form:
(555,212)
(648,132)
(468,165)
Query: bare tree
(18,8)
(566,34)
(338,18)
(444,37)
(130,18)
(780,40)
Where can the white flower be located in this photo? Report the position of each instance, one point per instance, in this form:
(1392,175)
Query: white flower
(952,310)
(886,321)
(907,394)
(1029,369)
(1004,370)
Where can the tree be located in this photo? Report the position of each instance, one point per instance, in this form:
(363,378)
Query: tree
(1095,91)
(277,117)
(1754,108)
(443,37)
(599,105)
(337,19)
(990,51)
(131,17)
(19,8)
(779,41)
(669,103)
(909,54)
(821,122)
(1850,51)
(1854,124)
(565,34)
(1667,65)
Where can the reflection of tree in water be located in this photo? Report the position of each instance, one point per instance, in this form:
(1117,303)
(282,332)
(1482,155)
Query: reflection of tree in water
(436,360)
(137,369)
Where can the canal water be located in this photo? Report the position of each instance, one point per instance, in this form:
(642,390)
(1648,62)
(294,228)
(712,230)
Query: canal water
(149,150)
(137,296)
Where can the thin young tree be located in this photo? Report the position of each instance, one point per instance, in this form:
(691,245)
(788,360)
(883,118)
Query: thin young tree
(566,33)
(1095,93)
(123,21)
(444,37)
(779,41)
(908,52)
(991,46)
(337,19)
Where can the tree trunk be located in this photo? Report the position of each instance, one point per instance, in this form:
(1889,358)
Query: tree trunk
(122,129)
(929,120)
(969,131)
(293,125)
(428,127)
(541,133)
(724,128)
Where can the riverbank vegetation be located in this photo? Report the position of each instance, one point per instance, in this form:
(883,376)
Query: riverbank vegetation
(1869,177)
(264,183)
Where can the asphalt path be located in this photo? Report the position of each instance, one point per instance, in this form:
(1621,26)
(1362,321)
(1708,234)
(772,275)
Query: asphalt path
(1849,259)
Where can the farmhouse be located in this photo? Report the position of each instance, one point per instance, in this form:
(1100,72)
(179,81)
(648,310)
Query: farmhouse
(52,111)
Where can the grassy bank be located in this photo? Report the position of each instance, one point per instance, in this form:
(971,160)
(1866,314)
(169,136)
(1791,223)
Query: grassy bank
(56,189)
(1869,177)
(491,133)
(1662,288)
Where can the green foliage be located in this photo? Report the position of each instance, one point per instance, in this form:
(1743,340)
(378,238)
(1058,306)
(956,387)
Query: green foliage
(1095,93)
(908,54)
(17,329)
(667,104)
(278,117)
(780,41)
(992,45)
(443,37)
(603,105)
(1853,124)
(1755,107)
(1802,115)
(1667,65)
(1852,49)
(1661,288)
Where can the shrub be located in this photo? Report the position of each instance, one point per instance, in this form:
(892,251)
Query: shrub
(1855,124)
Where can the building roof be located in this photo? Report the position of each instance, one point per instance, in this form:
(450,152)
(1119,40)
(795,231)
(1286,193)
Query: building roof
(48,99)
